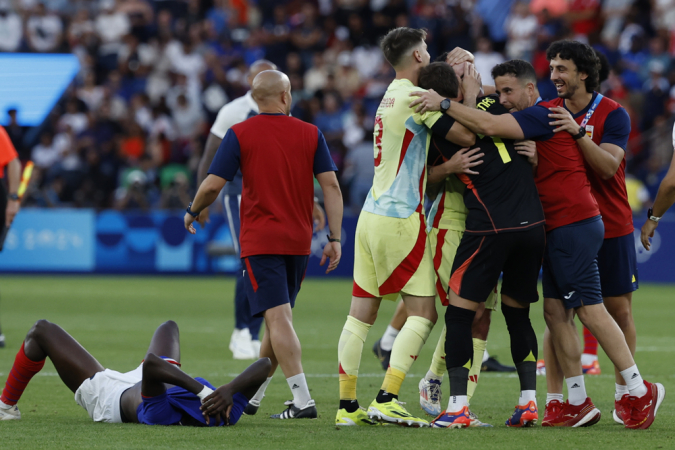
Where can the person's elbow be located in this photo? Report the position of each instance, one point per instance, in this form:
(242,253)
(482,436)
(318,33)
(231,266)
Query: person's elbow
(466,139)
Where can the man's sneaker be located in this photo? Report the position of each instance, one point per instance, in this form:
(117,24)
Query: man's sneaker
(358,418)
(430,396)
(9,412)
(583,415)
(592,368)
(252,407)
(255,345)
(551,413)
(240,344)
(621,409)
(492,365)
(643,409)
(293,412)
(476,423)
(459,419)
(541,367)
(382,355)
(524,416)
(394,412)
(2,340)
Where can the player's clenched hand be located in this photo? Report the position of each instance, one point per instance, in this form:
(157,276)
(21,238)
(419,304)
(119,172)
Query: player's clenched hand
(471,83)
(11,211)
(464,160)
(218,404)
(319,217)
(187,220)
(564,121)
(528,149)
(458,56)
(648,232)
(426,101)
(203,217)
(333,252)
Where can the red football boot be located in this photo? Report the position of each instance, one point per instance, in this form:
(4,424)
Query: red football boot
(643,409)
(621,409)
(583,415)
(551,413)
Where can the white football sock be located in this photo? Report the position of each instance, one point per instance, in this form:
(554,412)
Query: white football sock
(550,397)
(486,355)
(588,359)
(388,338)
(634,382)
(576,390)
(257,398)
(298,385)
(620,391)
(432,376)
(457,402)
(527,397)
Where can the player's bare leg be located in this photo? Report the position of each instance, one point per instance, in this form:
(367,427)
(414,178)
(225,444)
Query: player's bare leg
(45,339)
(621,309)
(266,351)
(288,353)
(382,347)
(554,380)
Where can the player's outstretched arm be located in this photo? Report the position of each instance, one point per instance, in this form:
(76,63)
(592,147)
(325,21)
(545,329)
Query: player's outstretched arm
(210,149)
(157,372)
(480,122)
(219,403)
(665,198)
(332,200)
(207,194)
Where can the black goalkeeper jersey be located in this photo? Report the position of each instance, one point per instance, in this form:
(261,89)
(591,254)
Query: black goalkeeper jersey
(502,197)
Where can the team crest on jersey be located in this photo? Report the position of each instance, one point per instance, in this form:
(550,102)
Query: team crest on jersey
(589,131)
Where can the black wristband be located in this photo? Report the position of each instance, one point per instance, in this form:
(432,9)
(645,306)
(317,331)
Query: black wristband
(13,197)
(582,133)
(189,211)
(331,239)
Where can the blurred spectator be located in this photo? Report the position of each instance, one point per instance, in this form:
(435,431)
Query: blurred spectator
(582,17)
(16,134)
(317,75)
(11,28)
(110,27)
(486,58)
(45,154)
(494,14)
(133,193)
(90,93)
(44,30)
(614,12)
(358,173)
(638,195)
(177,193)
(74,118)
(521,26)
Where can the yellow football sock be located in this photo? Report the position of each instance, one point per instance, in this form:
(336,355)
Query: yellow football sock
(350,348)
(478,352)
(438,359)
(406,348)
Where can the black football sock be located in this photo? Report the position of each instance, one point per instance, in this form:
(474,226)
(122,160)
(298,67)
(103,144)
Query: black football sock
(384,397)
(349,405)
(458,347)
(524,350)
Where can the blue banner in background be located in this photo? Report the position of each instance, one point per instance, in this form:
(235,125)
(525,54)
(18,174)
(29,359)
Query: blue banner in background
(84,241)
(59,240)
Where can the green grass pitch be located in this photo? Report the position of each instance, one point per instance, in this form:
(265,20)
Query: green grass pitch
(114,317)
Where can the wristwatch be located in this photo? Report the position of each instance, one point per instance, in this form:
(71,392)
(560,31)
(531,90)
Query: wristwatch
(14,197)
(189,211)
(582,133)
(445,105)
(651,216)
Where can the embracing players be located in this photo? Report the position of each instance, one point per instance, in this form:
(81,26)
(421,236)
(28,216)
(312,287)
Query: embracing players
(392,254)
(575,234)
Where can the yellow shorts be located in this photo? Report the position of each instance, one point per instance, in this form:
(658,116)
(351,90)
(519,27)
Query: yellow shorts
(444,245)
(392,256)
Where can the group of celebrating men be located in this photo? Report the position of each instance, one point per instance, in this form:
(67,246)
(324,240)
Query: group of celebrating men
(548,185)
(513,181)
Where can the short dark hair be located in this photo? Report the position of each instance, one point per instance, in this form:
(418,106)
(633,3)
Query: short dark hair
(442,57)
(603,73)
(520,69)
(440,77)
(582,55)
(398,41)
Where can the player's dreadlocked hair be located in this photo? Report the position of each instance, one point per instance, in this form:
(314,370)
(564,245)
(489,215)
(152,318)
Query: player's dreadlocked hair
(582,55)
(399,41)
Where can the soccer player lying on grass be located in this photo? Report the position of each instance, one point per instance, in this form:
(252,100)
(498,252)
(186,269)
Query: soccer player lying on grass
(158,392)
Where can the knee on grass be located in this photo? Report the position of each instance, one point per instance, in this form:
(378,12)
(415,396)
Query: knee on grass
(39,330)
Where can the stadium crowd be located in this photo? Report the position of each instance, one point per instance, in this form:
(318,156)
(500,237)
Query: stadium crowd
(130,130)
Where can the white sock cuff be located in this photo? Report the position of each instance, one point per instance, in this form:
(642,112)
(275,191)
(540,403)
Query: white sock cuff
(634,381)
(551,397)
(388,338)
(576,390)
